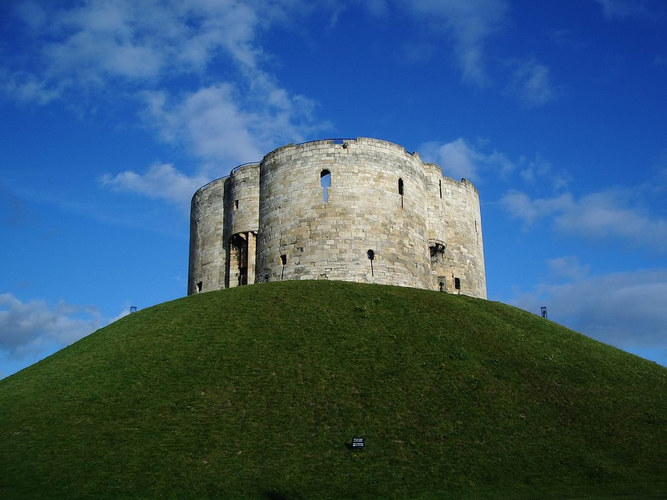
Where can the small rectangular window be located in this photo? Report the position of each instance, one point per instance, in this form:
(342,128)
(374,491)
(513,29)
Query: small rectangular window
(457,283)
(236,204)
(283,260)
(325,183)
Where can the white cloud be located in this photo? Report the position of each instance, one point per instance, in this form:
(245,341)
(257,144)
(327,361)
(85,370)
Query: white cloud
(32,14)
(459,159)
(30,327)
(25,87)
(603,215)
(472,160)
(623,309)
(161,181)
(469,23)
(219,126)
(531,83)
(456,158)
(625,8)
(615,8)
(520,206)
(209,121)
(567,267)
(538,169)
(95,42)
(138,48)
(219,123)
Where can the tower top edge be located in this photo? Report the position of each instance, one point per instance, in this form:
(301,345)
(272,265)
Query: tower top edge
(238,168)
(341,142)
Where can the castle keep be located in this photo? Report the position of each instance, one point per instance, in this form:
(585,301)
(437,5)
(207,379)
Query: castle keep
(361,210)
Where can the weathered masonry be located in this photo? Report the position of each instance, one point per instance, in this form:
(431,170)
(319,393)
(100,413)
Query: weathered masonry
(360,210)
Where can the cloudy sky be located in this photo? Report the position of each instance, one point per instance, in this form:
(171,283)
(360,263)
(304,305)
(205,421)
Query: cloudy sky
(115,111)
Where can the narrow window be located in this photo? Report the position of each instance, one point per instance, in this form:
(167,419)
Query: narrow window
(236,204)
(457,283)
(199,286)
(283,260)
(442,286)
(371,257)
(440,186)
(325,182)
(400,190)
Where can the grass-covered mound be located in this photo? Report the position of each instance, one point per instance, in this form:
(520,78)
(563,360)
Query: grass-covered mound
(255,392)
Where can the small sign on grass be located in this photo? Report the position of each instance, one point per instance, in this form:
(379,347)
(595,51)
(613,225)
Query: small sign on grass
(358,443)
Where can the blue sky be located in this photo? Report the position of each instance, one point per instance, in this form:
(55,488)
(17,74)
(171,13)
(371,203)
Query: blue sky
(115,111)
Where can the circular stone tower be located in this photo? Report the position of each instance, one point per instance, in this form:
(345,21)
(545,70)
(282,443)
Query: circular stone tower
(360,210)
(352,211)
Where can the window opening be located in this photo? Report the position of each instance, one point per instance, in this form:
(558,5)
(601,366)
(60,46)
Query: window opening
(199,287)
(442,286)
(238,246)
(457,283)
(371,256)
(400,190)
(236,204)
(283,261)
(325,182)
(440,186)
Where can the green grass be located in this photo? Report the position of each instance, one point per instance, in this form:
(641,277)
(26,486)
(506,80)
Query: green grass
(254,392)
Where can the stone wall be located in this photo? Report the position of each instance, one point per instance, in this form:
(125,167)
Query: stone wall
(464,255)
(242,199)
(382,216)
(208,256)
(364,211)
(242,221)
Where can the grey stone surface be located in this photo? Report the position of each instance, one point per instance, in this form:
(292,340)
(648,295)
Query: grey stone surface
(272,221)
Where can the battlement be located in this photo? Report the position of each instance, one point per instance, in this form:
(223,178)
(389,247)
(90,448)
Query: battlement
(362,210)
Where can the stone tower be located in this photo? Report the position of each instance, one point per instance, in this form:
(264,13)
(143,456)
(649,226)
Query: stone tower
(361,210)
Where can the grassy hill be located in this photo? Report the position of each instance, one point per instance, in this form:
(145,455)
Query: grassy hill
(256,392)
